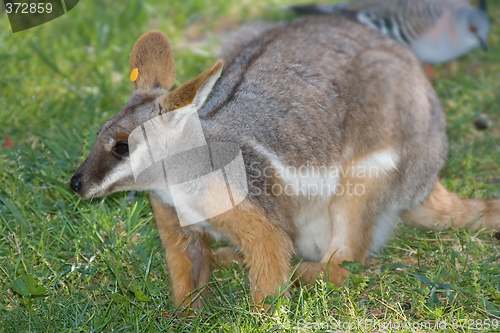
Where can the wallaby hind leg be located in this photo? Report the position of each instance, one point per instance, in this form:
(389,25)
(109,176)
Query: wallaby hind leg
(350,240)
(358,219)
(444,209)
(352,222)
(188,257)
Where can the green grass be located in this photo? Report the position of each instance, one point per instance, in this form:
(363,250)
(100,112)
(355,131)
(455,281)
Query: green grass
(72,265)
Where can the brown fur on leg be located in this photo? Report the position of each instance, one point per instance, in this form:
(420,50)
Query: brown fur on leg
(201,259)
(444,209)
(267,250)
(188,256)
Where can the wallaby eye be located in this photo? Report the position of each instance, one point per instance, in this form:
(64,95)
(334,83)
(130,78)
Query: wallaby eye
(472,28)
(121,148)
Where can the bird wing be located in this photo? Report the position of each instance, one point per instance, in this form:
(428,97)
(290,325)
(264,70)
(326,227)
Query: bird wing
(403,20)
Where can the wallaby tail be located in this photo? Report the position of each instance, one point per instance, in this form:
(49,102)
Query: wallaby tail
(444,209)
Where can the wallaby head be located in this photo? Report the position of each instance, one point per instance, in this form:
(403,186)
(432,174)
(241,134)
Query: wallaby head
(108,167)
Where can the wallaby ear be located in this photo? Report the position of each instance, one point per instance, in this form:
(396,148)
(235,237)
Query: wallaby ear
(152,56)
(194,91)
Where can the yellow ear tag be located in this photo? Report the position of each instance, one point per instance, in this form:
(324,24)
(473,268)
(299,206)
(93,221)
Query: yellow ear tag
(134,74)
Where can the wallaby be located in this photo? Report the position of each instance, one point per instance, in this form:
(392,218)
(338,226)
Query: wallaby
(340,136)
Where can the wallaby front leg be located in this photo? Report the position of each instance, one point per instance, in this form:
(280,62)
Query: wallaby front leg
(188,256)
(268,259)
(267,250)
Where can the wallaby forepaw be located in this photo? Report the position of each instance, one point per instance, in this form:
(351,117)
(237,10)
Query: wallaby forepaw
(309,272)
(224,257)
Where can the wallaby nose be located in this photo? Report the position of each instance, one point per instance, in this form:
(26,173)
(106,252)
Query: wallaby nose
(75,183)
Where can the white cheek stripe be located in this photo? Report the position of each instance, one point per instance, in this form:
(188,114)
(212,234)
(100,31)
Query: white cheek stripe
(120,172)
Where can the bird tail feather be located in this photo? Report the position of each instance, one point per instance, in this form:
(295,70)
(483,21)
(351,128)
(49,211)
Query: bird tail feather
(340,9)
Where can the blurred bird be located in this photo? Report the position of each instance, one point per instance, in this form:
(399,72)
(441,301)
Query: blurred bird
(436,30)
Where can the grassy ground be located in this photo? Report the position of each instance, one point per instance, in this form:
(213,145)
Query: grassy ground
(71,265)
